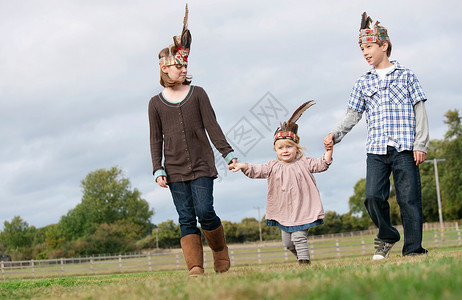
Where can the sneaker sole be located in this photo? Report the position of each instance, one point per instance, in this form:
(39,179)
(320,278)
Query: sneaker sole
(377,257)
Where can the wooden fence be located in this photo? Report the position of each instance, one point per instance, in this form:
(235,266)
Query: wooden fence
(321,247)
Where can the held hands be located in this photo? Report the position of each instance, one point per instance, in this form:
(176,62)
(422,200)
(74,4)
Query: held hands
(329,142)
(239,166)
(231,163)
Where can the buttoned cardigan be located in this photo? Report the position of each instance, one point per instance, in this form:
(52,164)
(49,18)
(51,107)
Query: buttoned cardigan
(179,131)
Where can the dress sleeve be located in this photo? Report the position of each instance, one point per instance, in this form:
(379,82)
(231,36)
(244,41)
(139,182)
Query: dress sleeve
(258,170)
(316,165)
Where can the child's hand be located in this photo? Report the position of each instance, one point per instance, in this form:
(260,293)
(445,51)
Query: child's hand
(239,166)
(329,142)
(230,165)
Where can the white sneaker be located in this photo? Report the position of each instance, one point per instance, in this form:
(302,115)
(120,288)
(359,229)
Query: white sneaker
(382,249)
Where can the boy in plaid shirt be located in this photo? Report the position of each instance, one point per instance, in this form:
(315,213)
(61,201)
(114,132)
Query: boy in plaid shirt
(397,139)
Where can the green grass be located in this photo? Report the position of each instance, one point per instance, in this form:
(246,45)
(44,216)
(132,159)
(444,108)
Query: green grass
(435,276)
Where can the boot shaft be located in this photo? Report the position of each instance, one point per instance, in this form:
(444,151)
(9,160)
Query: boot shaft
(193,254)
(216,241)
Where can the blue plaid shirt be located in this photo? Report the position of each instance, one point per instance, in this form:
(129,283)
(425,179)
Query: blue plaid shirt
(389,106)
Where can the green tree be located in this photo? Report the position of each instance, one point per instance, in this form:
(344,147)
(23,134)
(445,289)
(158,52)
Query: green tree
(451,179)
(247,230)
(169,234)
(117,237)
(107,198)
(356,202)
(352,223)
(270,233)
(358,208)
(427,178)
(231,232)
(449,171)
(17,234)
(332,224)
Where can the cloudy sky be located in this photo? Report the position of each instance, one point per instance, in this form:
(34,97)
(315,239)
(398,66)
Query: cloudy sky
(76,78)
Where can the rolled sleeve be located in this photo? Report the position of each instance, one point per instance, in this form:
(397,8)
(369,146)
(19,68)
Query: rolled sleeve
(230,157)
(159,172)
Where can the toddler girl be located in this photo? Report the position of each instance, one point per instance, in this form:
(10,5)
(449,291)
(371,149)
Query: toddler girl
(293,201)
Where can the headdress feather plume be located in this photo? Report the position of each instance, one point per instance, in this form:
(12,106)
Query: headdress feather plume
(186,38)
(374,34)
(365,21)
(288,130)
(291,124)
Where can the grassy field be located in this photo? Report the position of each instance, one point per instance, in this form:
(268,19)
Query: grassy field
(435,276)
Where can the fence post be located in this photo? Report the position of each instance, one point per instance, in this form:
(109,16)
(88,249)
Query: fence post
(149,262)
(120,263)
(91,266)
(3,268)
(436,240)
(259,255)
(33,269)
(338,247)
(62,265)
(363,245)
(232,258)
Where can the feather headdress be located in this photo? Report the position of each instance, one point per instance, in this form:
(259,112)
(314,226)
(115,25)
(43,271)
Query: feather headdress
(374,34)
(289,129)
(179,50)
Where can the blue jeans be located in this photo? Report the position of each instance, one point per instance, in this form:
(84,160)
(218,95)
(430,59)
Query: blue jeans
(194,200)
(408,194)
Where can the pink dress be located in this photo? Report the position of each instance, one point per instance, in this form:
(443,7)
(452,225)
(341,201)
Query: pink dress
(293,198)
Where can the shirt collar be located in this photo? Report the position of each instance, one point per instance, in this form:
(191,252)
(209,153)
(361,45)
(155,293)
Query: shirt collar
(395,62)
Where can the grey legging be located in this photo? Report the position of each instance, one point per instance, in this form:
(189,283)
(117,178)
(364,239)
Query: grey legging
(297,243)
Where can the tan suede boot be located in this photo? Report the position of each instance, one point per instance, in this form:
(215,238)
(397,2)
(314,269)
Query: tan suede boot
(193,254)
(216,241)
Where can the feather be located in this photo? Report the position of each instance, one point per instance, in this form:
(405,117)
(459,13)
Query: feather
(186,38)
(299,111)
(365,21)
(291,125)
(185,20)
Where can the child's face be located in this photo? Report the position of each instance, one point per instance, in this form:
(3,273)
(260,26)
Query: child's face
(176,72)
(373,53)
(285,151)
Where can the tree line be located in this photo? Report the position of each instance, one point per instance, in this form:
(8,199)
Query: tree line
(113,218)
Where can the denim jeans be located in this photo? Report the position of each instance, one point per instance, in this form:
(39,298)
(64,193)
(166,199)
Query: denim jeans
(408,194)
(194,201)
